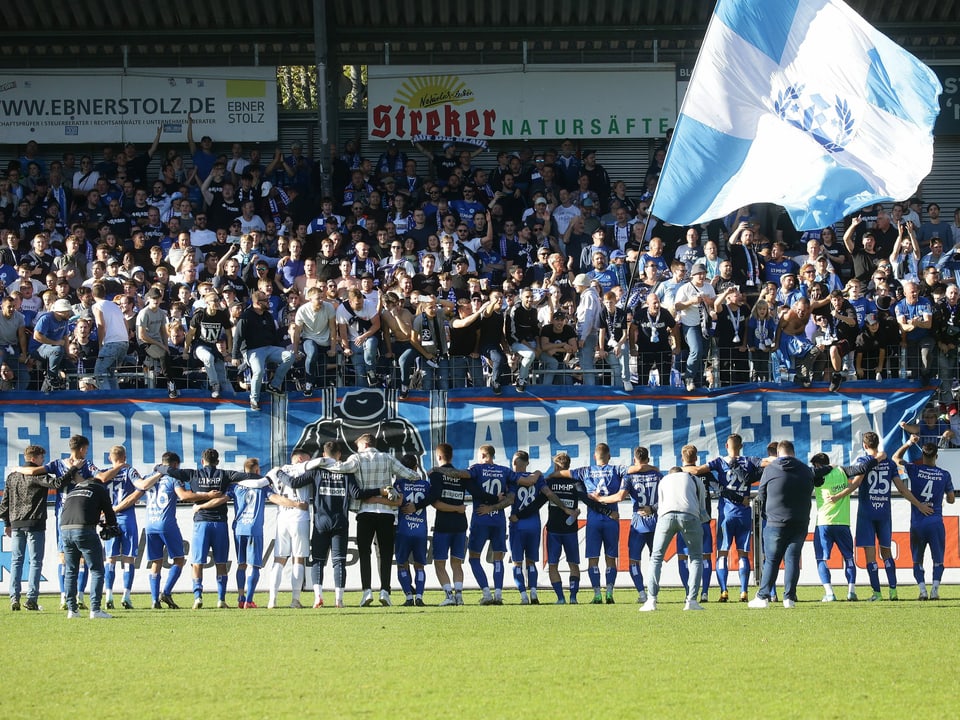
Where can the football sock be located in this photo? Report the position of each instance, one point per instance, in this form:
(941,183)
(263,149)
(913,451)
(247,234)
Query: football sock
(420,581)
(722,572)
(276,577)
(221,587)
(241,581)
(850,571)
(448,589)
(154,587)
(593,572)
(684,571)
(172,578)
(403,577)
(241,576)
(498,574)
(518,579)
(128,571)
(558,589)
(574,587)
(296,580)
(82,579)
(707,572)
(533,577)
(252,581)
(937,574)
(744,564)
(109,575)
(611,578)
(890,567)
(198,589)
(479,575)
(873,572)
(918,573)
(636,576)
(60,579)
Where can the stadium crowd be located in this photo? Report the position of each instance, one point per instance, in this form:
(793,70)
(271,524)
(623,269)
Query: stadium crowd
(229,270)
(387,498)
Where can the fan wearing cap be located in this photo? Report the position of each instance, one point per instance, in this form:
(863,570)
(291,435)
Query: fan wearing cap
(870,349)
(588,318)
(49,342)
(694,309)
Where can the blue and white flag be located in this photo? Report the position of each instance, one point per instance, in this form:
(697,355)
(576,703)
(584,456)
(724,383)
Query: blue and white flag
(801,103)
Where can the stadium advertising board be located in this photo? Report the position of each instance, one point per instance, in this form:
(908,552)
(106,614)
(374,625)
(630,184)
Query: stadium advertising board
(500,102)
(109,106)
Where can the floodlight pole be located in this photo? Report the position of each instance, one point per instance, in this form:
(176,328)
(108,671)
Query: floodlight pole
(320,51)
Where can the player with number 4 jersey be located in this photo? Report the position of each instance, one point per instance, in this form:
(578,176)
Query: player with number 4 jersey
(930,485)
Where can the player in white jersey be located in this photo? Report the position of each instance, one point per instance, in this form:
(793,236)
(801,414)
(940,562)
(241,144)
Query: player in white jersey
(292,534)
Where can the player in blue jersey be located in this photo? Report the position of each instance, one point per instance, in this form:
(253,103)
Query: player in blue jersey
(209,520)
(564,495)
(249,504)
(161,493)
(411,535)
(603,532)
(930,485)
(874,517)
(123,495)
(70,469)
(493,488)
(735,475)
(449,526)
(641,487)
(525,530)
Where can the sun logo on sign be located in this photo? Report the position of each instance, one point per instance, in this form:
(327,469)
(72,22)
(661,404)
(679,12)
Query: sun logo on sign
(830,123)
(426,91)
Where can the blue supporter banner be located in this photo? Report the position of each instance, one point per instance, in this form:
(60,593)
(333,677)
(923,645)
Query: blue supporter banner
(665,419)
(148,424)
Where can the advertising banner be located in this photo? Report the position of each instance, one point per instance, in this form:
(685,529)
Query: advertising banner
(501,102)
(666,419)
(543,423)
(110,106)
(948,121)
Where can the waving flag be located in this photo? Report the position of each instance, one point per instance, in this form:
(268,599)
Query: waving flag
(801,103)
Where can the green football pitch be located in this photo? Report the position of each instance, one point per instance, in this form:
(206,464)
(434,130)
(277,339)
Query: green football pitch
(820,660)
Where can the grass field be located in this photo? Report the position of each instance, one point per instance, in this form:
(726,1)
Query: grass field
(839,660)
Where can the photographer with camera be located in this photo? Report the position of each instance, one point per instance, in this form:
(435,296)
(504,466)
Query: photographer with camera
(84,500)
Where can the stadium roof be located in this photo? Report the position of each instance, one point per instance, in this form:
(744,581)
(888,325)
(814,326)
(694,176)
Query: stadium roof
(92,33)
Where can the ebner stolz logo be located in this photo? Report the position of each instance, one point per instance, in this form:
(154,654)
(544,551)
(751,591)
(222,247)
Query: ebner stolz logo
(427,105)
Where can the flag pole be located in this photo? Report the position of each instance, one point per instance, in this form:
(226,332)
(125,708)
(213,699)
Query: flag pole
(693,75)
